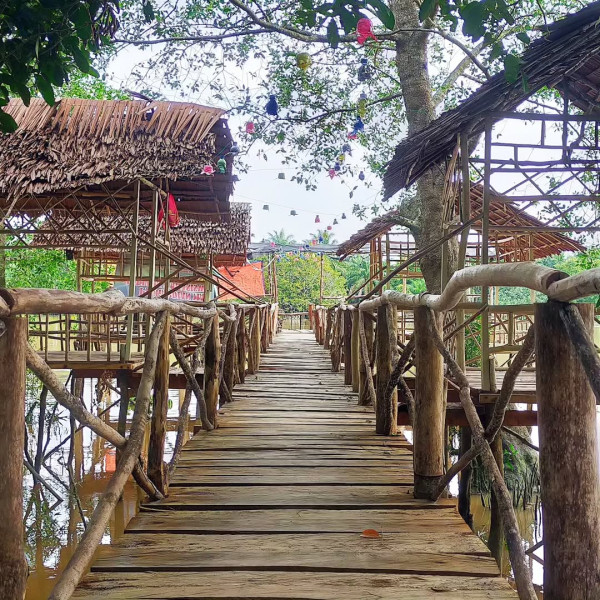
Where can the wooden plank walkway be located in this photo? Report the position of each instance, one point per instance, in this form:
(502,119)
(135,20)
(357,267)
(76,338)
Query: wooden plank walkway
(272,505)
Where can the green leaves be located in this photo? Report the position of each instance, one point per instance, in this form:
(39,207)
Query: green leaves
(427,9)
(512,67)
(148,11)
(383,13)
(43,41)
(7,123)
(333,36)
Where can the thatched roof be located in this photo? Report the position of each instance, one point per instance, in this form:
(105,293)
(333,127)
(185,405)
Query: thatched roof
(85,142)
(503,213)
(567,56)
(192,237)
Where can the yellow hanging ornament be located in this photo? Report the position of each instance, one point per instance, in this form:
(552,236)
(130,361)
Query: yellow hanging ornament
(361,107)
(303,60)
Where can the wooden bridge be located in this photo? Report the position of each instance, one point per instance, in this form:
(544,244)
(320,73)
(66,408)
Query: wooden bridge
(294,496)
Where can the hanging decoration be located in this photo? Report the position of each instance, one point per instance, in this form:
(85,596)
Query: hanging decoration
(304,61)
(352,135)
(329,227)
(173,213)
(361,175)
(272,107)
(365,72)
(335,221)
(364,31)
(347,149)
(317,219)
(281,176)
(208,170)
(343,215)
(361,107)
(332,173)
(265,207)
(293,213)
(235,149)
(250,128)
(337,167)
(222,166)
(341,158)
(320,239)
(359,126)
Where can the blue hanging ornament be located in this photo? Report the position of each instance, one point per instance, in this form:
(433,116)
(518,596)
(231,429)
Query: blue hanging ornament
(337,166)
(361,175)
(364,71)
(320,239)
(222,166)
(272,107)
(359,126)
(347,149)
(343,215)
(335,221)
(235,149)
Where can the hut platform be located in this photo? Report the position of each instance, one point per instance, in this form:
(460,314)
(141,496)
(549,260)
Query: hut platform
(276,504)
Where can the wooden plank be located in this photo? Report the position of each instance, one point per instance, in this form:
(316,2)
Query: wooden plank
(248,476)
(315,553)
(416,521)
(243,585)
(356,497)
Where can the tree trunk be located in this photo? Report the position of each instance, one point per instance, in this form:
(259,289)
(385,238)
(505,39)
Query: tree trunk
(13,566)
(413,73)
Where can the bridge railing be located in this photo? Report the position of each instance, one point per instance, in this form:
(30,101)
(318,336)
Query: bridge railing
(213,345)
(560,337)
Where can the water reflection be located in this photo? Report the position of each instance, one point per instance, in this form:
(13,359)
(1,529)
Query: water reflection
(52,528)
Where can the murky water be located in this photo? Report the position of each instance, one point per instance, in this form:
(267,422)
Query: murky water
(53,527)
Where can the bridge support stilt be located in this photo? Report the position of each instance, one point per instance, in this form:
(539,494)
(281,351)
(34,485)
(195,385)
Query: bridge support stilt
(430,406)
(568,460)
(386,413)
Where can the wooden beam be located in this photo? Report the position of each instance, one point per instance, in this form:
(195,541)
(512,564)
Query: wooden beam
(385,337)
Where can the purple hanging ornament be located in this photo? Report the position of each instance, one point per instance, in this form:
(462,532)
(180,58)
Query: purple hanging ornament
(361,175)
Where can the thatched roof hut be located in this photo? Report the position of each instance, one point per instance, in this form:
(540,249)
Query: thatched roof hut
(567,57)
(510,245)
(99,148)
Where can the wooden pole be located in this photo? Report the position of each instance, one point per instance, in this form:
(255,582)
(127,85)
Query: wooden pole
(347,347)
(568,460)
(160,404)
(355,351)
(230,356)
(386,411)
(241,347)
(364,395)
(13,566)
(123,384)
(256,340)
(328,327)
(212,355)
(132,272)
(430,406)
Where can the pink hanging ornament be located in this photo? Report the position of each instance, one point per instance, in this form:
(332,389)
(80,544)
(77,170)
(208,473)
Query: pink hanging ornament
(352,135)
(208,170)
(364,31)
(250,127)
(329,227)
(332,173)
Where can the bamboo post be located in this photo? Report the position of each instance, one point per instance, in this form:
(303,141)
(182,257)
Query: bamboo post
(347,346)
(364,395)
(355,351)
(212,355)
(263,329)
(386,412)
(430,406)
(13,566)
(132,272)
(160,405)
(568,460)
(252,325)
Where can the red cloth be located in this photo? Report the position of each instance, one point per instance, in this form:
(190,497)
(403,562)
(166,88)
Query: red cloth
(173,213)
(248,278)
